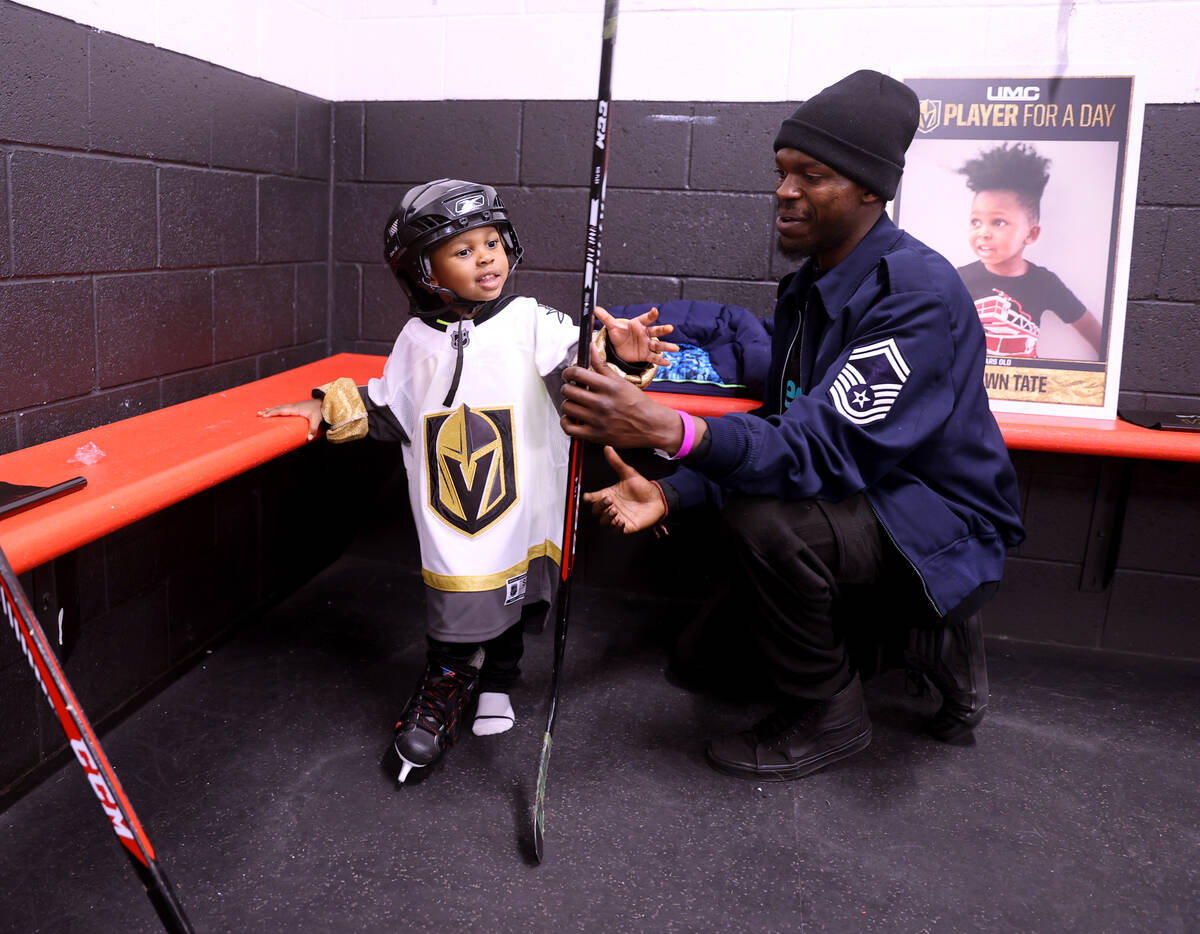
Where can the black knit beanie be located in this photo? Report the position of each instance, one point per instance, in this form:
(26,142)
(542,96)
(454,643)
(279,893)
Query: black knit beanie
(860,126)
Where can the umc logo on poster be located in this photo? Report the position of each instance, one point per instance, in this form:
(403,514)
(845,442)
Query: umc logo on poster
(1005,92)
(471,467)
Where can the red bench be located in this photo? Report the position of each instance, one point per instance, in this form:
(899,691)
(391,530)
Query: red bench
(1104,437)
(155,460)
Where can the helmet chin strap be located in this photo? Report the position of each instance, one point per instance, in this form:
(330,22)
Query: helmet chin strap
(452,303)
(465,308)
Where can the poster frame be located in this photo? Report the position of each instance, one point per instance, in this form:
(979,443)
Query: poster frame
(1017,84)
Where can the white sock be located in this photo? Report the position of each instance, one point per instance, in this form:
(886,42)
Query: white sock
(493,715)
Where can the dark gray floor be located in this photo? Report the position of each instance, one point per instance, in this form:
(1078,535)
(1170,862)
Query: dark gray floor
(257,778)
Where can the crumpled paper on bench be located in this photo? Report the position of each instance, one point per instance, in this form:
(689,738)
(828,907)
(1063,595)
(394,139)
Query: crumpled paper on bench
(87,454)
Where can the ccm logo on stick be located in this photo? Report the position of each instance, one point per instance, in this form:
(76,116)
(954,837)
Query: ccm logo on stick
(601,124)
(100,787)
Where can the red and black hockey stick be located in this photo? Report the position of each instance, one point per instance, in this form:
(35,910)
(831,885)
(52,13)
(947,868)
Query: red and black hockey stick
(591,265)
(34,645)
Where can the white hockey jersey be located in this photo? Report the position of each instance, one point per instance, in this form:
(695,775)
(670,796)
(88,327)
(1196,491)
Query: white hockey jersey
(487,474)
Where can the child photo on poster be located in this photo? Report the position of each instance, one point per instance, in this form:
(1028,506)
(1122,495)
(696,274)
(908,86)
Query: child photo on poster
(1019,183)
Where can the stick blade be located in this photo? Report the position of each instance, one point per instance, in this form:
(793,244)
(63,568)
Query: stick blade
(539,807)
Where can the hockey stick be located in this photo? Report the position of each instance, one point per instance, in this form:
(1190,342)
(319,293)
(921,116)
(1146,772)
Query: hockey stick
(31,639)
(575,460)
(14,498)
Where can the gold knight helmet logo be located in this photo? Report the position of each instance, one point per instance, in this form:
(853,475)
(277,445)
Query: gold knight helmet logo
(931,115)
(471,466)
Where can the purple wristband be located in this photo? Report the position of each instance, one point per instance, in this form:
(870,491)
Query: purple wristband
(689,436)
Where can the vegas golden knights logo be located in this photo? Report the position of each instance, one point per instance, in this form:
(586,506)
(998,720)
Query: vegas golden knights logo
(931,115)
(472,466)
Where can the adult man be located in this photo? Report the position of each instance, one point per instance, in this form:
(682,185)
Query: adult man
(874,459)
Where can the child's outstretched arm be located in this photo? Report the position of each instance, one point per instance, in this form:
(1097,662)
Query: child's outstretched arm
(307,408)
(638,340)
(1089,329)
(337,404)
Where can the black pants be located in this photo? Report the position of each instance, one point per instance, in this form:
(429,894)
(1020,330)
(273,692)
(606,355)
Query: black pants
(501,654)
(813,575)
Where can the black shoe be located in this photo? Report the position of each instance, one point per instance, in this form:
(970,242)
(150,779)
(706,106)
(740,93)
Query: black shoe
(433,716)
(953,660)
(793,743)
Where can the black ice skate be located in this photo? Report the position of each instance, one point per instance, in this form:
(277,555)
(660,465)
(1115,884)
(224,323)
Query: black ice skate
(433,716)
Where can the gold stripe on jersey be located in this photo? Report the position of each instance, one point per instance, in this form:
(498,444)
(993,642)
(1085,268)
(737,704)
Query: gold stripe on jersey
(477,583)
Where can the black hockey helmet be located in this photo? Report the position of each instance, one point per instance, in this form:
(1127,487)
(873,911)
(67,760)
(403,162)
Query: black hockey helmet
(431,213)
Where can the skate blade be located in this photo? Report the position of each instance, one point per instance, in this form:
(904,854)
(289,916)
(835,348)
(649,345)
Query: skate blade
(395,765)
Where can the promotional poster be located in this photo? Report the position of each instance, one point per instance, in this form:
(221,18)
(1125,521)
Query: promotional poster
(1027,185)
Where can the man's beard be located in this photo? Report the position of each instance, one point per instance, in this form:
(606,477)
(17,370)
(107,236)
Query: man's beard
(793,250)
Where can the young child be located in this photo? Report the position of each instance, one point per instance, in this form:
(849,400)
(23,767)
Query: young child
(471,389)
(1010,292)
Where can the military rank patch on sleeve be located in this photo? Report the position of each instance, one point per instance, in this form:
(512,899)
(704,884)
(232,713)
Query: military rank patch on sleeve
(866,388)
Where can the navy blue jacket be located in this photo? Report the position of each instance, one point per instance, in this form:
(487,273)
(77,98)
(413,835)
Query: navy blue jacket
(893,405)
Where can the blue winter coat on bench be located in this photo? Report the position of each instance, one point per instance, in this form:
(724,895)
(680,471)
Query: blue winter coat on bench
(892,404)
(725,350)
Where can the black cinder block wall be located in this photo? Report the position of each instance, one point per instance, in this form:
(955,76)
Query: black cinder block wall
(688,211)
(164,233)
(169,228)
(1151,604)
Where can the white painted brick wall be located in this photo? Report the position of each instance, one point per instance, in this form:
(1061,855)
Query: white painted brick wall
(752,50)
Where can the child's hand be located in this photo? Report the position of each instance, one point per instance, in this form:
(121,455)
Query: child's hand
(638,340)
(307,408)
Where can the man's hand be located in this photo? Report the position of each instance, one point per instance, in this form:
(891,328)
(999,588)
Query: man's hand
(638,340)
(602,408)
(632,503)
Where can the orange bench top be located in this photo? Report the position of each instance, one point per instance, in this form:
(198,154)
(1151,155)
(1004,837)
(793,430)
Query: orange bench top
(154,460)
(1108,437)
(1066,435)
(703,405)
(1101,436)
